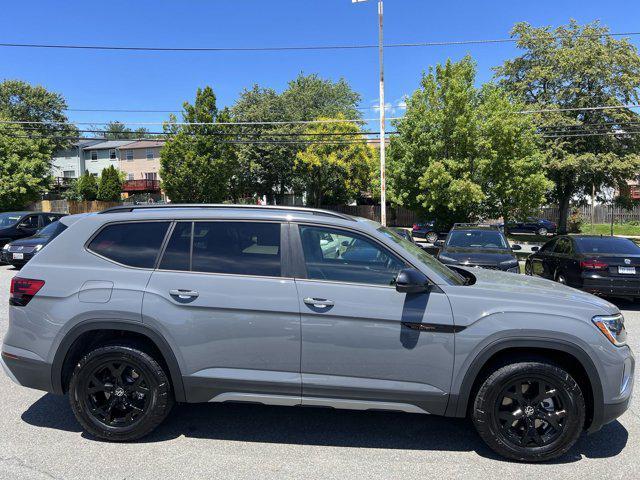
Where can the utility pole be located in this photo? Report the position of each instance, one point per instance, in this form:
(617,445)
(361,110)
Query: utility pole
(383,145)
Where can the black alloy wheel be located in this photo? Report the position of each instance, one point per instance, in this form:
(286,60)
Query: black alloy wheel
(119,393)
(530,413)
(527,268)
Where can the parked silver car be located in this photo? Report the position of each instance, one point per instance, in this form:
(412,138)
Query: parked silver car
(132,309)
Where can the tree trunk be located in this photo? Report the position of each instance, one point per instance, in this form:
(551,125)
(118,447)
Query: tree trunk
(611,218)
(563,214)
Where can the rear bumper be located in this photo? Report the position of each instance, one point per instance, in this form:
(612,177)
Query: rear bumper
(614,286)
(27,372)
(7,257)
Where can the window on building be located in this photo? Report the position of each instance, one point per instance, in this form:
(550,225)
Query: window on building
(94,155)
(69,174)
(131,176)
(149,153)
(135,244)
(112,154)
(128,154)
(151,176)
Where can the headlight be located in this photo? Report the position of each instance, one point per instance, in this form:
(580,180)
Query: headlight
(445,259)
(37,248)
(515,269)
(612,326)
(6,246)
(511,263)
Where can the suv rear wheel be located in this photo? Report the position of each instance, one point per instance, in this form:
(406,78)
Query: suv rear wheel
(529,411)
(119,393)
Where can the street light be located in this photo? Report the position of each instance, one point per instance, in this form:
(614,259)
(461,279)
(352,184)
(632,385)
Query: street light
(383,146)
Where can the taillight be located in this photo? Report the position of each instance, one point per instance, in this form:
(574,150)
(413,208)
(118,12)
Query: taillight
(23,290)
(593,265)
(415,226)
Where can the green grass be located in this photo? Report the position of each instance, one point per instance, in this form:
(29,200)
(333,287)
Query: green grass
(605,229)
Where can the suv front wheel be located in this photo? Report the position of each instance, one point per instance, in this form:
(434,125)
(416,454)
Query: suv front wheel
(119,393)
(529,411)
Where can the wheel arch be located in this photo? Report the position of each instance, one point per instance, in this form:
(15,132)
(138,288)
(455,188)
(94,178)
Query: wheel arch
(114,329)
(459,404)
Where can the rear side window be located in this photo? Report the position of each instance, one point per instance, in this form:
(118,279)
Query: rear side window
(134,244)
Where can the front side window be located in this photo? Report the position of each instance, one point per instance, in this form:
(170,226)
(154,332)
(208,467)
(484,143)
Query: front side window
(549,246)
(563,246)
(30,222)
(341,256)
(134,244)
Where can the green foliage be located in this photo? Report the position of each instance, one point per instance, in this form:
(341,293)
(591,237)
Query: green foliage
(87,187)
(119,131)
(267,168)
(20,101)
(333,173)
(24,167)
(196,166)
(571,67)
(110,187)
(574,224)
(72,193)
(464,152)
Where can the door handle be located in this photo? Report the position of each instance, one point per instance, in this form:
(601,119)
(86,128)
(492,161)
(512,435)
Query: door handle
(318,302)
(184,294)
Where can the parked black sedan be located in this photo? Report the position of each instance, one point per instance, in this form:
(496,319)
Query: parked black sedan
(19,252)
(479,246)
(539,226)
(15,225)
(608,266)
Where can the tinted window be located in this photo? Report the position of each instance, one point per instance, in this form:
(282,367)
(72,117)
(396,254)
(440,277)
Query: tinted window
(241,248)
(548,247)
(30,222)
(347,257)
(476,239)
(563,246)
(52,230)
(134,244)
(177,254)
(622,246)
(47,218)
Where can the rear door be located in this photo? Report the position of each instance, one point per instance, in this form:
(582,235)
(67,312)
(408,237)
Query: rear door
(364,345)
(542,262)
(223,296)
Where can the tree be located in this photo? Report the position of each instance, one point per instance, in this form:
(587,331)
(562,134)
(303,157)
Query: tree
(269,165)
(197,163)
(119,131)
(464,152)
(22,102)
(24,169)
(110,187)
(564,70)
(87,187)
(337,170)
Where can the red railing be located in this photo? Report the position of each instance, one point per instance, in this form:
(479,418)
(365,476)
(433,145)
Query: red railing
(141,186)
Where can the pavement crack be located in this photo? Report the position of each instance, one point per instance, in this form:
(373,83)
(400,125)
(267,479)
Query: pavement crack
(22,464)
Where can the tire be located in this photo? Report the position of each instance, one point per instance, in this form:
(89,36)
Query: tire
(542,440)
(431,237)
(560,278)
(542,232)
(124,384)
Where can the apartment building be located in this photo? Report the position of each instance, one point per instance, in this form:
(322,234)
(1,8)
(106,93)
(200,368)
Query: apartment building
(140,161)
(102,155)
(69,163)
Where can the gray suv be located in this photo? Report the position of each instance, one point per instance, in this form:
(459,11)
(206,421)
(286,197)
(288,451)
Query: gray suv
(135,308)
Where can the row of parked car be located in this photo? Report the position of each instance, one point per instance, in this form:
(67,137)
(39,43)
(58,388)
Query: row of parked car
(23,234)
(607,266)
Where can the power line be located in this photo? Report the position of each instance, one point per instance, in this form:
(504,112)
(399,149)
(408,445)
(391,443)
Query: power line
(294,48)
(119,110)
(581,109)
(287,122)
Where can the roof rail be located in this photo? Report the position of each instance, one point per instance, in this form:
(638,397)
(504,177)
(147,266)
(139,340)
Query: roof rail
(312,211)
(483,225)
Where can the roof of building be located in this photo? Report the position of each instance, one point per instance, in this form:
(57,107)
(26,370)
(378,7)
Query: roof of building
(108,144)
(145,144)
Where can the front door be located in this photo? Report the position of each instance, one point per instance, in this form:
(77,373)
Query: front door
(364,345)
(221,295)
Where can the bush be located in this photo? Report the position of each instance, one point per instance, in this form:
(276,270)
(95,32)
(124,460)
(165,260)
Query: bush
(110,188)
(575,221)
(87,187)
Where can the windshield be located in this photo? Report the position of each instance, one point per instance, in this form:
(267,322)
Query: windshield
(477,239)
(9,219)
(597,245)
(424,257)
(52,230)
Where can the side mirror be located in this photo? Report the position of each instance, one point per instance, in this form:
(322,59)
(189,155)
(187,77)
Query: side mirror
(411,280)
(535,249)
(516,247)
(438,243)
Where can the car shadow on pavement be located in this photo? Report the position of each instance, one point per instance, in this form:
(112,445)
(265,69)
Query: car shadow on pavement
(321,427)
(628,305)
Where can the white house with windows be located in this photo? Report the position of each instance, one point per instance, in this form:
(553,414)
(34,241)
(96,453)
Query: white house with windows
(69,163)
(102,155)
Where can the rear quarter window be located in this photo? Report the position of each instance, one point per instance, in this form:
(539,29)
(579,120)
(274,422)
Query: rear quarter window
(135,244)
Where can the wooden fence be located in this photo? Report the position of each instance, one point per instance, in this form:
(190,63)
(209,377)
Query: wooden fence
(71,207)
(601,214)
(396,217)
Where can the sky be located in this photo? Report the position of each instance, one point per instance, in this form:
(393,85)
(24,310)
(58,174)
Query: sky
(162,81)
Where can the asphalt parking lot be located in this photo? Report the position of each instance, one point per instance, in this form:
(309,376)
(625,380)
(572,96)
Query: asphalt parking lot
(40,439)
